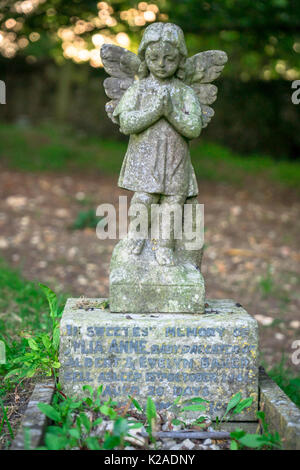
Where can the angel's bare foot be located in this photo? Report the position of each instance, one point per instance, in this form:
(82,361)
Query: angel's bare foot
(136,246)
(165,256)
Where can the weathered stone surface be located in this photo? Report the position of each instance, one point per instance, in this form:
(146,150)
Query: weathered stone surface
(34,421)
(160,99)
(212,356)
(282,415)
(119,62)
(139,284)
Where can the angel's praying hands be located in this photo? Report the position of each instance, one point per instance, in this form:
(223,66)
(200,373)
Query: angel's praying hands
(134,121)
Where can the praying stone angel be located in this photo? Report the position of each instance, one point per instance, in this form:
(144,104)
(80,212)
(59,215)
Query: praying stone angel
(160,98)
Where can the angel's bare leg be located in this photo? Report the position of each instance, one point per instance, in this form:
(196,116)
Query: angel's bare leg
(165,251)
(136,244)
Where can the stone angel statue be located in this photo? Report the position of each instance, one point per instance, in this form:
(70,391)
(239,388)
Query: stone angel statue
(162,100)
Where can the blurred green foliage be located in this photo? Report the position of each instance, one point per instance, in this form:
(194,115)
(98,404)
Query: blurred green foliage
(287,380)
(48,148)
(49,57)
(255,34)
(22,305)
(261,37)
(24,311)
(86,219)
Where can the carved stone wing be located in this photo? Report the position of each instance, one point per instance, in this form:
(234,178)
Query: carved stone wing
(201,70)
(122,66)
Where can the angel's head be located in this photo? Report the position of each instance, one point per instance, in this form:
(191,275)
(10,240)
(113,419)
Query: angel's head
(162,51)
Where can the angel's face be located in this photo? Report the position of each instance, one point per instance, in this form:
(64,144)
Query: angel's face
(162,59)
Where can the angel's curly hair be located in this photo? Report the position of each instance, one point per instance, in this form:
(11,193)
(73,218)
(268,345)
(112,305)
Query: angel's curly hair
(168,32)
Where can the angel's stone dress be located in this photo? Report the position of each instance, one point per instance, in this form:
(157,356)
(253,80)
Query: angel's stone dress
(158,158)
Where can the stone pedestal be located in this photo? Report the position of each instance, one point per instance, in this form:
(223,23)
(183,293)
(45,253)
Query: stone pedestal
(138,284)
(213,355)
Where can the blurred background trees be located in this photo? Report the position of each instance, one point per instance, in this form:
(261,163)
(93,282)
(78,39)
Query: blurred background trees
(49,59)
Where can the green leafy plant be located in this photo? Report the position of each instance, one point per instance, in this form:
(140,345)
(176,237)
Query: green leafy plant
(235,406)
(76,421)
(267,440)
(41,353)
(24,309)
(72,427)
